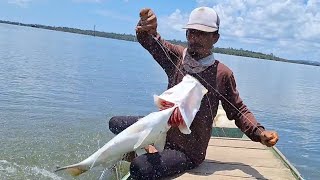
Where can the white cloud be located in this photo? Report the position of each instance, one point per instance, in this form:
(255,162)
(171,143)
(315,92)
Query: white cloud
(174,20)
(21,3)
(171,26)
(286,28)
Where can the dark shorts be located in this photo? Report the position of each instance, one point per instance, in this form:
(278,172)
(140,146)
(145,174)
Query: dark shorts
(158,165)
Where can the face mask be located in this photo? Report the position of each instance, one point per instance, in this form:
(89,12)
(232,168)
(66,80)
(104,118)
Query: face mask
(193,66)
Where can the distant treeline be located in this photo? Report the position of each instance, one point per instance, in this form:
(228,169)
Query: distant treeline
(130,37)
(127,37)
(239,52)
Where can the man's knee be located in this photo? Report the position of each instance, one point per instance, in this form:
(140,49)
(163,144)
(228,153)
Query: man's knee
(141,169)
(114,125)
(120,123)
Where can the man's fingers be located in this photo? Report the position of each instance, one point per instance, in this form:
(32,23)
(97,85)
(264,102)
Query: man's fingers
(150,149)
(144,28)
(152,20)
(275,135)
(267,136)
(273,141)
(144,12)
(147,14)
(138,29)
(148,22)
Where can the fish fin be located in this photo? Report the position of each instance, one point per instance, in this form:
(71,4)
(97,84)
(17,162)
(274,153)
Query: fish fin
(160,142)
(184,129)
(73,170)
(140,151)
(143,136)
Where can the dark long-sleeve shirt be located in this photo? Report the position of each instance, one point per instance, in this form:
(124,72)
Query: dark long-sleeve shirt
(219,81)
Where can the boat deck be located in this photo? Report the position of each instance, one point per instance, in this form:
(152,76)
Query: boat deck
(235,158)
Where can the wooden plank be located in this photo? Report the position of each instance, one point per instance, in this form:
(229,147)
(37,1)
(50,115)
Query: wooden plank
(229,158)
(232,158)
(246,153)
(231,142)
(251,157)
(210,170)
(213,176)
(267,163)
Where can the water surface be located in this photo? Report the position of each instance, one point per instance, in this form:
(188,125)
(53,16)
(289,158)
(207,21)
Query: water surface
(58,90)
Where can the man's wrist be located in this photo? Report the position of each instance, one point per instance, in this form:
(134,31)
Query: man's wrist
(259,133)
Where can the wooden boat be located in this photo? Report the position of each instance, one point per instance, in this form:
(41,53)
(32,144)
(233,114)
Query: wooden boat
(232,155)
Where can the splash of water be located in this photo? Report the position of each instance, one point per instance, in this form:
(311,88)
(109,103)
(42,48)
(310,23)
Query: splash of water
(11,169)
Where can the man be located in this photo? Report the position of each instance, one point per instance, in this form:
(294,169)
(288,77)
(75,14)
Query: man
(183,152)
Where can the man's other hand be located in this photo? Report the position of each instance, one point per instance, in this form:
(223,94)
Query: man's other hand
(269,138)
(150,149)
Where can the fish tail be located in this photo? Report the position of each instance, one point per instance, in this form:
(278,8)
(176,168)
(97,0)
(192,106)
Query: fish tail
(73,170)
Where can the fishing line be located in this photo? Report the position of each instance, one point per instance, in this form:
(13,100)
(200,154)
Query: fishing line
(159,43)
(108,171)
(105,173)
(162,47)
(117,172)
(217,134)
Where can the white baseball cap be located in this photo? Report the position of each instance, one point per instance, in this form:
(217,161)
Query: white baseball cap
(203,19)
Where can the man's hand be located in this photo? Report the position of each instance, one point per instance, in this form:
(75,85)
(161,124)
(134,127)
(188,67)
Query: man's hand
(269,138)
(176,118)
(148,22)
(150,149)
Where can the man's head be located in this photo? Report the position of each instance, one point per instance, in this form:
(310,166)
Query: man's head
(202,31)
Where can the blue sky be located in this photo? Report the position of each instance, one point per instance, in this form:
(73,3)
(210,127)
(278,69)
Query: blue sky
(286,28)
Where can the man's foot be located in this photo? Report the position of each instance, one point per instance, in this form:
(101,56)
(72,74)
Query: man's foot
(129,156)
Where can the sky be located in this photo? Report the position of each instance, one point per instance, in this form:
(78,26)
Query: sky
(287,28)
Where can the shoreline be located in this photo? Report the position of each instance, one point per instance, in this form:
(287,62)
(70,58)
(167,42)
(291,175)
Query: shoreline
(130,37)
